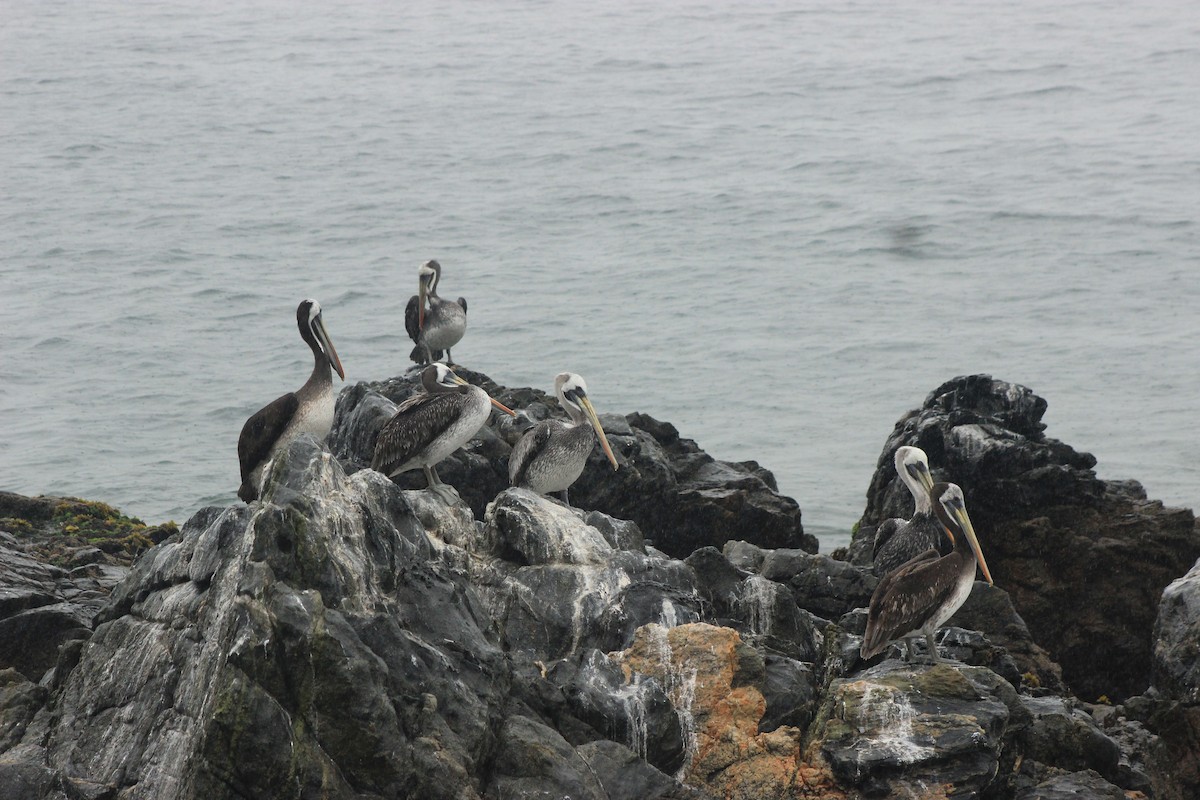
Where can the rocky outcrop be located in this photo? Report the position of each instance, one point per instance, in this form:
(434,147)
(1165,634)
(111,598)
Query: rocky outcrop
(1084,560)
(348,638)
(680,497)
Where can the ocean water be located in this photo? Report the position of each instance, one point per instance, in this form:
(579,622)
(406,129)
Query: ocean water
(777,225)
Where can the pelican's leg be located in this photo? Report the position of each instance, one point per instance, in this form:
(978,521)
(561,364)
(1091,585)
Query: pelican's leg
(431,477)
(933,651)
(442,490)
(449,358)
(908,650)
(566,502)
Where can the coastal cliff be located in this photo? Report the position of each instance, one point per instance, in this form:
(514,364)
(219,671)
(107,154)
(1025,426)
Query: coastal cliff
(678,636)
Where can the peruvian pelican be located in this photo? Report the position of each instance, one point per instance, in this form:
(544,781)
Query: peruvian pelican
(918,597)
(551,455)
(439,328)
(898,540)
(308,410)
(431,425)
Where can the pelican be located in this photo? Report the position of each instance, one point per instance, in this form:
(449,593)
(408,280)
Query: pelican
(551,455)
(439,328)
(918,597)
(308,410)
(431,425)
(898,540)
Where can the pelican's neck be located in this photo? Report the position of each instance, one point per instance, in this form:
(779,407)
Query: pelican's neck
(921,504)
(322,373)
(574,411)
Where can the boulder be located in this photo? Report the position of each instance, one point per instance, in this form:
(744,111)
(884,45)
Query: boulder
(624,776)
(1176,665)
(1063,736)
(1072,786)
(1084,560)
(895,730)
(1172,707)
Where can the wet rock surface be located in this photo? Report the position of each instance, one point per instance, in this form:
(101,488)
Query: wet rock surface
(895,729)
(44,606)
(348,638)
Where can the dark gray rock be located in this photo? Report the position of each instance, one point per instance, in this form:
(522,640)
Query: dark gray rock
(1062,736)
(20,699)
(1172,706)
(762,610)
(789,687)
(565,588)
(43,606)
(989,610)
(1074,786)
(1176,666)
(535,762)
(972,647)
(635,712)
(348,639)
(624,776)
(895,729)
(820,584)
(1084,560)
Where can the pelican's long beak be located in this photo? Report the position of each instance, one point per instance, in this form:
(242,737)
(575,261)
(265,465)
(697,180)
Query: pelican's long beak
(502,407)
(923,475)
(327,346)
(595,420)
(421,307)
(495,402)
(964,522)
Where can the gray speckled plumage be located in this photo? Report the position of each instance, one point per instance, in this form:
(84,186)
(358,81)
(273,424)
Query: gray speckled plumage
(445,320)
(552,454)
(429,426)
(899,540)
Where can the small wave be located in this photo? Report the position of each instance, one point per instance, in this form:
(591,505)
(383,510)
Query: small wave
(1044,91)
(904,251)
(931,80)
(631,63)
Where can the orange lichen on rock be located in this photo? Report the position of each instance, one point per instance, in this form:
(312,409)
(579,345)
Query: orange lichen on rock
(712,678)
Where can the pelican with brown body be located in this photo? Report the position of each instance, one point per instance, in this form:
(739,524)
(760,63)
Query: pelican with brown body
(918,597)
(551,455)
(308,410)
(431,425)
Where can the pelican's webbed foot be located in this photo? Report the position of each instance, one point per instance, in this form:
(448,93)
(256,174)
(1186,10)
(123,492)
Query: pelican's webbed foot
(442,490)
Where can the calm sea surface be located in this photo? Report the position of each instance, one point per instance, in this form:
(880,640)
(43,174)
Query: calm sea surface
(777,225)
